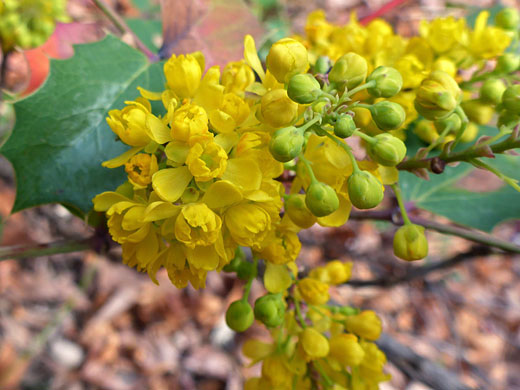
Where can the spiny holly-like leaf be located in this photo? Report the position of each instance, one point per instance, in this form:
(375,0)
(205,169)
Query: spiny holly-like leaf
(443,195)
(215,27)
(61,136)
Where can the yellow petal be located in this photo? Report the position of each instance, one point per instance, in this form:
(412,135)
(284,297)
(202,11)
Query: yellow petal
(122,159)
(389,175)
(160,210)
(227,141)
(244,173)
(105,200)
(203,257)
(222,193)
(177,151)
(251,56)
(276,278)
(338,217)
(257,350)
(157,130)
(149,94)
(170,183)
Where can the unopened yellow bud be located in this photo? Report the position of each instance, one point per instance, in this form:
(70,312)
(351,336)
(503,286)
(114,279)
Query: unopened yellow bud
(313,292)
(346,350)
(286,143)
(338,272)
(425,130)
(508,62)
(437,96)
(388,82)
(286,58)
(239,316)
(277,109)
(478,111)
(298,212)
(321,199)
(303,88)
(508,19)
(410,242)
(387,150)
(350,69)
(183,74)
(314,344)
(511,98)
(470,133)
(364,190)
(492,90)
(365,324)
(388,115)
(344,126)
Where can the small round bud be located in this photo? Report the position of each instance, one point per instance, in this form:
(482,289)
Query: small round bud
(388,82)
(478,111)
(492,90)
(387,115)
(239,316)
(322,65)
(470,133)
(298,212)
(286,143)
(452,120)
(286,58)
(511,98)
(270,310)
(276,109)
(303,88)
(350,69)
(508,19)
(437,96)
(344,126)
(410,243)
(246,270)
(364,190)
(507,63)
(321,199)
(387,150)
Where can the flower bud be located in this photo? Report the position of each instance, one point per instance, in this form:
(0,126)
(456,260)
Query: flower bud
(303,88)
(387,150)
(437,96)
(346,350)
(478,111)
(387,115)
(298,212)
(410,243)
(511,98)
(277,109)
(286,58)
(508,118)
(239,316)
(286,143)
(314,344)
(321,199)
(322,65)
(425,130)
(470,133)
(364,190)
(508,19)
(313,292)
(365,324)
(452,120)
(344,126)
(492,90)
(270,310)
(507,63)
(350,69)
(388,82)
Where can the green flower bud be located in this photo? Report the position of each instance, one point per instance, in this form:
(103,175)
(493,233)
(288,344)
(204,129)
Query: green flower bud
(303,88)
(437,96)
(492,90)
(507,63)
(511,98)
(321,199)
(286,143)
(452,120)
(387,150)
(507,118)
(387,115)
(270,310)
(364,190)
(350,69)
(388,82)
(478,111)
(508,19)
(298,212)
(239,316)
(410,243)
(322,65)
(344,126)
(246,270)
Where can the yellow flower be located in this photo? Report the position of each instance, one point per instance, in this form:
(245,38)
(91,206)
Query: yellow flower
(283,247)
(237,76)
(187,121)
(248,223)
(365,324)
(334,272)
(487,41)
(129,124)
(232,113)
(277,109)
(314,344)
(206,161)
(197,224)
(140,169)
(286,58)
(345,349)
(443,34)
(183,73)
(313,291)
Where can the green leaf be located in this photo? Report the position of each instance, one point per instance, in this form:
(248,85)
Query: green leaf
(148,31)
(61,136)
(481,210)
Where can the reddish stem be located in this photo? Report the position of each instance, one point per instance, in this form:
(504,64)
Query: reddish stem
(381,11)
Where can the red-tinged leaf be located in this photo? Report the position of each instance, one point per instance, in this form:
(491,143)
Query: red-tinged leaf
(59,45)
(215,27)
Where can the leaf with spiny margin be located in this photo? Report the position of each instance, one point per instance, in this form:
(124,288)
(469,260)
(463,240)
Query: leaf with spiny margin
(61,136)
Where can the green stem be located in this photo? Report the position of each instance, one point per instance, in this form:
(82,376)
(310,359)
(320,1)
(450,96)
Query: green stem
(52,248)
(439,140)
(299,313)
(465,122)
(304,127)
(247,288)
(366,137)
(333,98)
(309,168)
(328,381)
(399,197)
(370,84)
